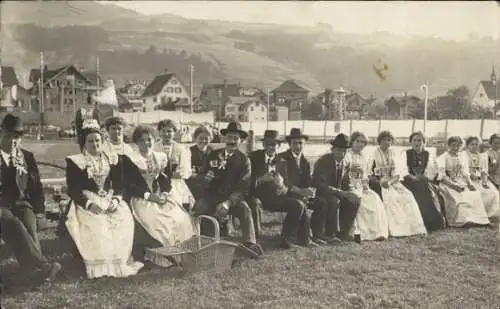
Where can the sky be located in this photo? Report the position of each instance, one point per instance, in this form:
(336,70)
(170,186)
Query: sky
(448,20)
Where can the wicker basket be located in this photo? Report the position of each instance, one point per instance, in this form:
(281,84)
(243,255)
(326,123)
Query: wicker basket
(199,253)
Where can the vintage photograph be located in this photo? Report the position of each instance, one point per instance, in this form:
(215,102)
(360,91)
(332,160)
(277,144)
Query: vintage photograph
(249,154)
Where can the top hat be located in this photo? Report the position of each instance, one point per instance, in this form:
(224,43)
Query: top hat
(12,124)
(271,135)
(296,133)
(234,127)
(340,141)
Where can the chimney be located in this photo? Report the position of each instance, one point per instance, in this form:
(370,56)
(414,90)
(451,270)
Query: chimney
(165,70)
(225,83)
(45,68)
(239,84)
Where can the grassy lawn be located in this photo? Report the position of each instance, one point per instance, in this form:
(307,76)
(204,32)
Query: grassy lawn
(452,269)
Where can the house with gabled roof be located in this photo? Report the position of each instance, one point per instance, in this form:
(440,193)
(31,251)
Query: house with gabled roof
(487,93)
(165,89)
(66,88)
(245,109)
(291,95)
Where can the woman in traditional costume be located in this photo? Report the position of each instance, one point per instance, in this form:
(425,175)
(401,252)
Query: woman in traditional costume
(115,144)
(160,214)
(200,152)
(98,220)
(478,173)
(494,160)
(179,159)
(371,220)
(402,209)
(463,202)
(418,178)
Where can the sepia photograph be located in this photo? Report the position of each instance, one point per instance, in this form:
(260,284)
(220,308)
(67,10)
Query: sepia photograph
(249,154)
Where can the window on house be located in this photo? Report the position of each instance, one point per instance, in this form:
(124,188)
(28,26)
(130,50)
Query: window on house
(163,100)
(481,95)
(251,108)
(154,100)
(262,108)
(173,82)
(170,89)
(178,90)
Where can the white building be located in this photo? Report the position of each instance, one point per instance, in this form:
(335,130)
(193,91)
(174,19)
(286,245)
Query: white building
(164,89)
(245,109)
(484,95)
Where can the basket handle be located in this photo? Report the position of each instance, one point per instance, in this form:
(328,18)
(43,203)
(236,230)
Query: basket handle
(215,223)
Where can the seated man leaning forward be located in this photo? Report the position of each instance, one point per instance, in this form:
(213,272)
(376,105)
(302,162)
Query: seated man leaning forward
(298,179)
(269,191)
(331,178)
(229,177)
(21,200)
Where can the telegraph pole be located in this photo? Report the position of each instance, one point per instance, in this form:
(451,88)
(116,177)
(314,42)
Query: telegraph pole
(191,86)
(41,92)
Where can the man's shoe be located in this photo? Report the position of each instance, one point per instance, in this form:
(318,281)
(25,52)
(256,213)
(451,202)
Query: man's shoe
(332,240)
(287,244)
(319,241)
(255,250)
(313,244)
(52,272)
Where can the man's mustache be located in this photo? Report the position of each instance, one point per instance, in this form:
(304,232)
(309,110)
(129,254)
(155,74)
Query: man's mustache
(232,144)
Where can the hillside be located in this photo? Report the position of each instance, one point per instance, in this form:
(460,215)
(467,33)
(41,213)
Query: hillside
(131,45)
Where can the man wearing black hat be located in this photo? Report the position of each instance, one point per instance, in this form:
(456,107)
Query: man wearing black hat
(22,202)
(332,182)
(229,179)
(268,189)
(298,180)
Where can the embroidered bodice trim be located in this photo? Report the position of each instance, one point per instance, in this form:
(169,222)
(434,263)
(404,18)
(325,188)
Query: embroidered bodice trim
(454,166)
(384,163)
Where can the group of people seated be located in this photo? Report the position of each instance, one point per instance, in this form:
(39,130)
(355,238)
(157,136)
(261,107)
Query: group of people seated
(129,197)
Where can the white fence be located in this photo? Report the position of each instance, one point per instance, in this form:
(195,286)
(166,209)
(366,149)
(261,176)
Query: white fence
(157,116)
(483,128)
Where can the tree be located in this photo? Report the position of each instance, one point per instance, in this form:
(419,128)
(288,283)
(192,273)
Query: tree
(314,111)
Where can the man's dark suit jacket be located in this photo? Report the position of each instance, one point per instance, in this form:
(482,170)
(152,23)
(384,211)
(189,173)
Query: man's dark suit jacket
(259,169)
(235,180)
(325,175)
(25,189)
(292,174)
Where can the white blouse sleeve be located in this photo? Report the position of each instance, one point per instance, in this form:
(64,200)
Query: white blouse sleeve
(431,168)
(441,166)
(403,166)
(464,160)
(483,159)
(184,167)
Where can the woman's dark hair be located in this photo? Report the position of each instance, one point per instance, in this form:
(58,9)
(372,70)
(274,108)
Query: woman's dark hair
(113,121)
(202,129)
(418,133)
(140,130)
(493,137)
(455,139)
(384,135)
(167,123)
(355,135)
(470,139)
(82,136)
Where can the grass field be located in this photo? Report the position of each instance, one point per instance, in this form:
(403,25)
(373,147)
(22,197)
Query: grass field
(451,269)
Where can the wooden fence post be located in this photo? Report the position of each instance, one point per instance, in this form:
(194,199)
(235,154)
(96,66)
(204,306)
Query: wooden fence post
(284,127)
(250,141)
(413,126)
(350,127)
(379,126)
(303,125)
(445,130)
(481,129)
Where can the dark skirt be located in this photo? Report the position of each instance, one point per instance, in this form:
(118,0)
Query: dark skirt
(430,202)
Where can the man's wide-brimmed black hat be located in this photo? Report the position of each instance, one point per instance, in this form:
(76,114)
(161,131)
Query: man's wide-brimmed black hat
(12,124)
(271,135)
(296,133)
(340,141)
(234,127)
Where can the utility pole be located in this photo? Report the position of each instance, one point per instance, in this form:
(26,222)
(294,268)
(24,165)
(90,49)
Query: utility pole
(425,88)
(267,117)
(191,86)
(41,93)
